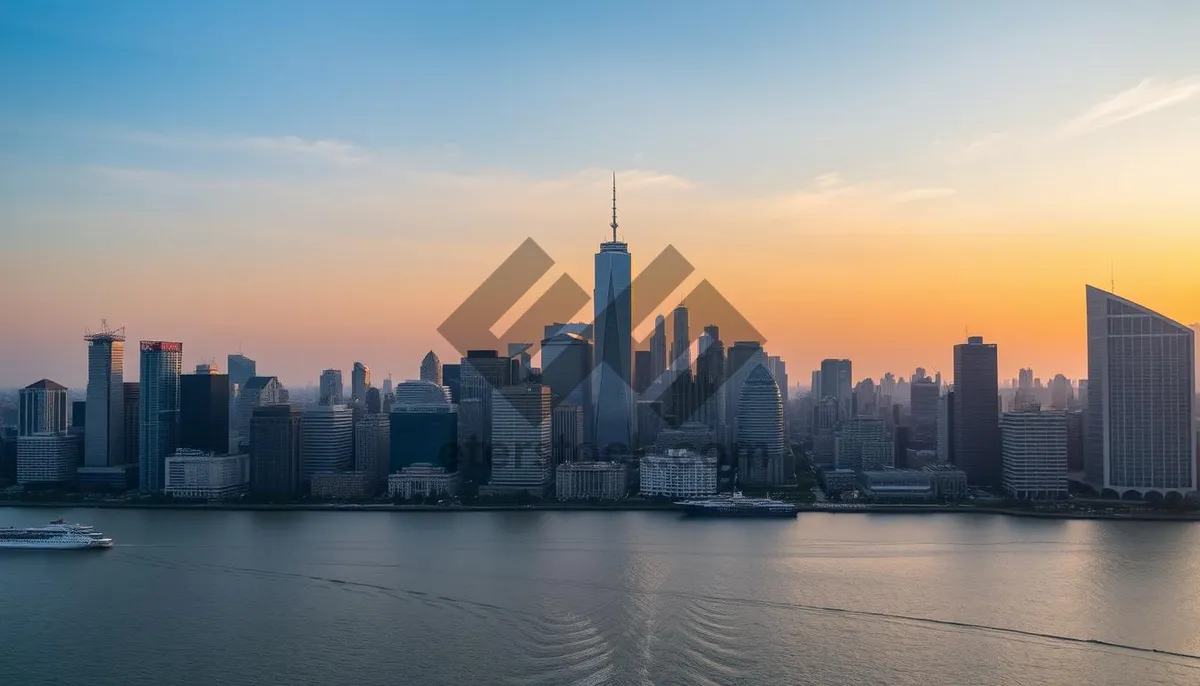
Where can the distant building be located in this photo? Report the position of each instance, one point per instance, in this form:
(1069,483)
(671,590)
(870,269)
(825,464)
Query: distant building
(422,481)
(374,401)
(132,400)
(258,391)
(204,412)
(923,403)
(330,390)
(761,444)
(710,380)
(863,443)
(104,434)
(241,369)
(612,390)
(566,369)
(1075,433)
(678,474)
(836,383)
(566,429)
(650,422)
(977,412)
(945,442)
(949,482)
(200,474)
(643,372)
(591,481)
(431,368)
(327,443)
(47,459)
(522,361)
(778,369)
(1034,454)
(521,440)
(158,404)
(1141,431)
(452,379)
(360,380)
(740,360)
(341,485)
(275,467)
(836,481)
(79,414)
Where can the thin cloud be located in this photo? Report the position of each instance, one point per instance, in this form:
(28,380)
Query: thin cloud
(918,194)
(330,149)
(1151,95)
(985,143)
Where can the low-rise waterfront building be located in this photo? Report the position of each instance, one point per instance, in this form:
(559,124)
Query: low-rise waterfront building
(47,458)
(197,474)
(591,481)
(422,480)
(838,480)
(949,482)
(897,485)
(678,473)
(341,485)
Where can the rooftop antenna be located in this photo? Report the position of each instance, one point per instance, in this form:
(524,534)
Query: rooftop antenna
(1112,278)
(614,219)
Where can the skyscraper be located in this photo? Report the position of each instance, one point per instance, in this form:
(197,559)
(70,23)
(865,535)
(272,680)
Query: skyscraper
(566,369)
(43,408)
(658,348)
(132,401)
(158,410)
(612,390)
(424,426)
(1141,433)
(204,411)
(710,378)
(760,440)
(643,374)
(977,412)
(431,368)
(104,431)
(682,397)
(360,379)
(275,435)
(566,427)
(372,449)
(1034,454)
(522,439)
(778,369)
(330,392)
(945,442)
(327,440)
(452,379)
(739,362)
(924,408)
(258,391)
(836,384)
(241,368)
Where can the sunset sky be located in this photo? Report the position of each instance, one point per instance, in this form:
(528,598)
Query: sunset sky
(317,183)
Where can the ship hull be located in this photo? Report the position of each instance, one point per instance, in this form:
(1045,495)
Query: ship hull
(53,545)
(737,512)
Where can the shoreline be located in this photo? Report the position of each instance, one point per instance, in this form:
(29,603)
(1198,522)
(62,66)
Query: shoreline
(590,507)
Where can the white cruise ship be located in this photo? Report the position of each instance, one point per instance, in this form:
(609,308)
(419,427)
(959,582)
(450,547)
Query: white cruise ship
(55,536)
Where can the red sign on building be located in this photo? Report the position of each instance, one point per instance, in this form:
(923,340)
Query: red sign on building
(161,346)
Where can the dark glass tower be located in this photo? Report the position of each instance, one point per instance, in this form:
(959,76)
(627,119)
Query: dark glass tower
(204,412)
(977,412)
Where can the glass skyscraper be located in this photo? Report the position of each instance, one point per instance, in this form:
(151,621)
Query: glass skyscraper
(612,386)
(158,400)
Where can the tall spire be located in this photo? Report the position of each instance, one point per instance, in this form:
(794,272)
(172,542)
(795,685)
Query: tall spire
(614,221)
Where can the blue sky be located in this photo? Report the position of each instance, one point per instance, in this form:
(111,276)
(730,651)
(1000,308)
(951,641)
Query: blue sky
(799,142)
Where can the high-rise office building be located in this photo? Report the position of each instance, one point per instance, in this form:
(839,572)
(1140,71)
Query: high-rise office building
(1141,433)
(760,439)
(658,348)
(330,391)
(327,440)
(567,366)
(1034,454)
(945,442)
(104,432)
(372,449)
(778,369)
(643,374)
(424,427)
(836,384)
(452,379)
(158,410)
(710,378)
(47,458)
(431,368)
(374,401)
(204,411)
(740,360)
(1060,392)
(566,429)
(132,400)
(923,404)
(977,412)
(275,440)
(612,389)
(241,369)
(865,398)
(258,391)
(522,361)
(863,443)
(521,440)
(42,408)
(360,380)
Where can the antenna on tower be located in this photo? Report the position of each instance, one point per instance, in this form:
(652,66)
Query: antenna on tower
(614,219)
(1112,278)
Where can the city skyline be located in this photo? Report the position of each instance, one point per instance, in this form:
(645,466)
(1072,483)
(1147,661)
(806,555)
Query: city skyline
(998,178)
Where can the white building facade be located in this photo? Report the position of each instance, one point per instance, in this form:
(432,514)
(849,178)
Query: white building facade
(678,473)
(591,481)
(196,474)
(1034,455)
(422,480)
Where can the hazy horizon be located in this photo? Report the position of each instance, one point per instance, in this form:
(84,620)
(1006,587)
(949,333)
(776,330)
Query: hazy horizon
(317,184)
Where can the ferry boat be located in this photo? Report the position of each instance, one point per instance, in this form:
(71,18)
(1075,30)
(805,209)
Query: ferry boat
(737,505)
(56,536)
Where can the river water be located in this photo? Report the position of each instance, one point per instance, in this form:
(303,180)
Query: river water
(554,598)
